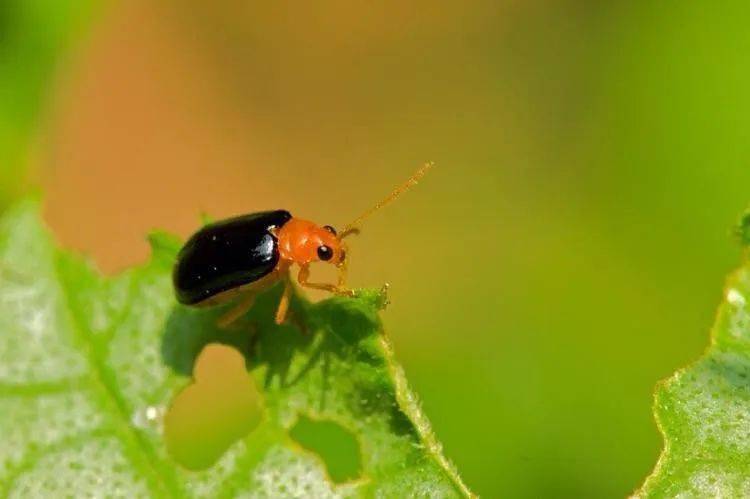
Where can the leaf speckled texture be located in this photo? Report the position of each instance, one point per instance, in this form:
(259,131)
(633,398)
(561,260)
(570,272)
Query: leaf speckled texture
(703,410)
(89,365)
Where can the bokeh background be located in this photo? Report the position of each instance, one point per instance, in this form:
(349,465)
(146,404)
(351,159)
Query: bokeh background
(566,254)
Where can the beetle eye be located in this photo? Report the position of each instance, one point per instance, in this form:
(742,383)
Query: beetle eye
(330,229)
(325,253)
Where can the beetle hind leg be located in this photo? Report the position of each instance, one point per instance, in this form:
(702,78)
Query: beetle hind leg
(241,308)
(283,309)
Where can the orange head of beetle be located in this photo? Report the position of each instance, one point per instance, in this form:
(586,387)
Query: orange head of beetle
(303,242)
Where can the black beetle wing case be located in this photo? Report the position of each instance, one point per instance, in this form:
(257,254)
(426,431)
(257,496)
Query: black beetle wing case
(227,254)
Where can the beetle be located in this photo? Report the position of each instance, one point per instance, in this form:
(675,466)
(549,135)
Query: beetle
(240,256)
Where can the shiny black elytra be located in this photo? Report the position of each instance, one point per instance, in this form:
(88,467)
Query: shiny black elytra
(227,254)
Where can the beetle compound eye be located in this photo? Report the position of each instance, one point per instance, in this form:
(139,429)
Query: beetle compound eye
(325,253)
(330,229)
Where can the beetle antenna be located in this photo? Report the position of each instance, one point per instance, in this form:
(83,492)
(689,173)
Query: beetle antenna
(352,227)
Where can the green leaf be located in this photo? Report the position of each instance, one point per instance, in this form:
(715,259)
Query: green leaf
(703,410)
(742,229)
(89,365)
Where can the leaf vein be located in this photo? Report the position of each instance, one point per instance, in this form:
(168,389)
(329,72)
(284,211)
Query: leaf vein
(13,390)
(30,460)
(103,378)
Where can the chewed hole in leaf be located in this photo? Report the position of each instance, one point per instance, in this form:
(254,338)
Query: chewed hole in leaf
(336,446)
(220,407)
(255,335)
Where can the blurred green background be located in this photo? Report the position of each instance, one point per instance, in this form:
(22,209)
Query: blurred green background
(567,253)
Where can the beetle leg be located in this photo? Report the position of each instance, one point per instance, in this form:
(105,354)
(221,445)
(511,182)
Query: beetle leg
(342,278)
(304,275)
(240,309)
(343,267)
(283,308)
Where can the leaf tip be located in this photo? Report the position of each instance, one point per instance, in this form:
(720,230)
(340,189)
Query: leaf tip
(742,229)
(206,218)
(374,298)
(164,246)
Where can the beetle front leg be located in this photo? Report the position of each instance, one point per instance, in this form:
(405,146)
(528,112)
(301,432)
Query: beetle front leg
(342,266)
(304,275)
